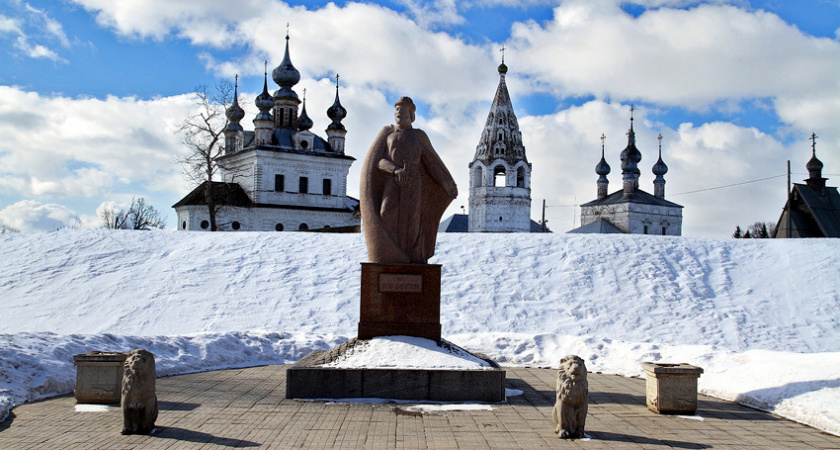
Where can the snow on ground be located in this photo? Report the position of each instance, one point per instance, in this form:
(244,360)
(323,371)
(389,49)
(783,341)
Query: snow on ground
(405,352)
(762,317)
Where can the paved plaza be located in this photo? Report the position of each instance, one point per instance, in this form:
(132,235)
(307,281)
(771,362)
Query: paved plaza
(247,408)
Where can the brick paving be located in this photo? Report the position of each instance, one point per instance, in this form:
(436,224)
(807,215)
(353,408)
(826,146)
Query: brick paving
(247,408)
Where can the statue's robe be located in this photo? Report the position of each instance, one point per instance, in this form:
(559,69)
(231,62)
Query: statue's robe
(400,220)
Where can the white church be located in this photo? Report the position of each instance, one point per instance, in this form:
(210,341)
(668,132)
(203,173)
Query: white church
(500,175)
(631,210)
(281,176)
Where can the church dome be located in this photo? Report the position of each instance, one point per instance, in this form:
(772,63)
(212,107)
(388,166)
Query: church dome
(235,113)
(285,74)
(814,164)
(602,168)
(304,122)
(264,100)
(660,168)
(503,68)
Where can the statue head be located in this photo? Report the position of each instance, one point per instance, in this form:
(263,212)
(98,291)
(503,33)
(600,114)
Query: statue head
(404,112)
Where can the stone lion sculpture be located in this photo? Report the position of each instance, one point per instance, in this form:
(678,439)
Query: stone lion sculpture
(139,401)
(572,398)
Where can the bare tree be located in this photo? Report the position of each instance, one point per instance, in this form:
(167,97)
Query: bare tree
(112,218)
(140,216)
(144,216)
(7,229)
(202,135)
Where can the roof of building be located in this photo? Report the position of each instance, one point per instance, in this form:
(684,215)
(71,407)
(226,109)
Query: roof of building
(501,138)
(459,223)
(638,196)
(600,226)
(821,214)
(229,194)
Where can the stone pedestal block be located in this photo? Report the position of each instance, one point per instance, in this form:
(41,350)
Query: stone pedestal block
(671,388)
(400,299)
(98,376)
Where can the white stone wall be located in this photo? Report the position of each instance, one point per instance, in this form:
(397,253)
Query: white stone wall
(262,219)
(499,209)
(632,218)
(255,171)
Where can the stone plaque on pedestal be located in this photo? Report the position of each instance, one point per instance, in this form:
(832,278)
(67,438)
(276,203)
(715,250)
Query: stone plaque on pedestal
(400,299)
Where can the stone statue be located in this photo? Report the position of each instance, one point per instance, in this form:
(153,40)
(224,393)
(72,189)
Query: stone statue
(405,189)
(139,399)
(572,398)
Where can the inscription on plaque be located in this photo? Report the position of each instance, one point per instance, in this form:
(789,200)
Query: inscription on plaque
(399,282)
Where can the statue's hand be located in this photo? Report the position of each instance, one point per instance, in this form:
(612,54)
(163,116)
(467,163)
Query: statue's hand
(400,176)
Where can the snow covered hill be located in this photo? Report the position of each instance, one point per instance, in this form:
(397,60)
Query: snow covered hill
(744,310)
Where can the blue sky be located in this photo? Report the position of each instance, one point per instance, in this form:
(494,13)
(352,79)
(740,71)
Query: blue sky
(92,91)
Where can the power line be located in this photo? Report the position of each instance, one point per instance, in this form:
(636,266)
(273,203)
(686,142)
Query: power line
(729,185)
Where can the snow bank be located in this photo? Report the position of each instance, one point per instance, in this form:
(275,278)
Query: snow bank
(762,317)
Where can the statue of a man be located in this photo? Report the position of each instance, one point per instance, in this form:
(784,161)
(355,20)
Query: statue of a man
(405,188)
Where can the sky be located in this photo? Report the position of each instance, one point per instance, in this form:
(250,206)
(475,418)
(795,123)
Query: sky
(92,93)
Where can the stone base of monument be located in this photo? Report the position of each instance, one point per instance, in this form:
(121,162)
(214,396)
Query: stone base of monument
(98,376)
(400,299)
(671,388)
(399,368)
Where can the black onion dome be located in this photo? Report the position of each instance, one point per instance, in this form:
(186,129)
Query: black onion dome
(285,74)
(264,100)
(336,111)
(814,164)
(602,168)
(235,113)
(304,122)
(503,68)
(660,168)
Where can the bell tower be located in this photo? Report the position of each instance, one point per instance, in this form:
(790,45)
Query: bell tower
(500,174)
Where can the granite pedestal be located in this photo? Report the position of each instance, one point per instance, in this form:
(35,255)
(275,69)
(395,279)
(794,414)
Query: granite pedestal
(98,376)
(671,388)
(400,300)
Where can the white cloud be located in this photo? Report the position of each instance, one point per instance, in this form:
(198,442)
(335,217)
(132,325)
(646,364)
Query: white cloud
(30,215)
(64,147)
(691,58)
(31,29)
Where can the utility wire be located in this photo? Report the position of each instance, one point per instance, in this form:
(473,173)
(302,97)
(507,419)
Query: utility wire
(729,185)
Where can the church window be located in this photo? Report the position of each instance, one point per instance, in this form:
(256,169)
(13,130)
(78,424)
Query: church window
(327,186)
(303,185)
(478,177)
(520,177)
(664,231)
(303,227)
(646,229)
(499,176)
(184,225)
(279,183)
(500,218)
(304,144)
(278,227)
(236,225)
(204,224)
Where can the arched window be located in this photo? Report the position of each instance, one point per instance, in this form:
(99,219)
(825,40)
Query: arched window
(499,176)
(184,225)
(478,177)
(278,227)
(520,177)
(303,227)
(204,224)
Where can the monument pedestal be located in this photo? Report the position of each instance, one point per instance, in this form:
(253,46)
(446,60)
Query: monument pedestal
(400,299)
(396,300)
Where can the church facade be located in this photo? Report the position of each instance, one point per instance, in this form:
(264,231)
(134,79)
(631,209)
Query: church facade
(281,176)
(631,210)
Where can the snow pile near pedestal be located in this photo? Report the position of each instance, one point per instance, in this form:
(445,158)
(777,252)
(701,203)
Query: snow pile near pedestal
(760,316)
(405,352)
